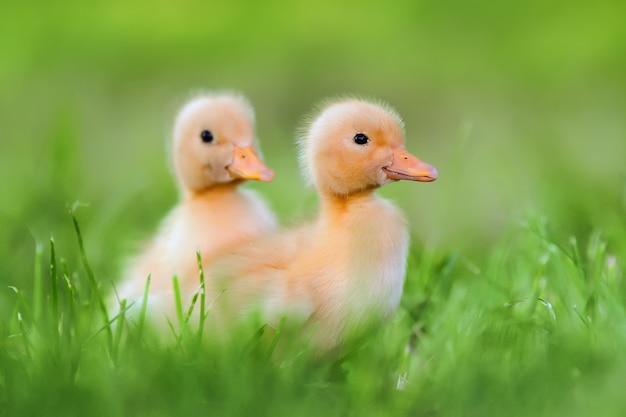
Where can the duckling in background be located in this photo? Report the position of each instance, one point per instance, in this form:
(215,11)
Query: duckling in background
(345,270)
(213,152)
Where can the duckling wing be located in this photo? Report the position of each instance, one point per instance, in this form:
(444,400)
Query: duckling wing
(258,276)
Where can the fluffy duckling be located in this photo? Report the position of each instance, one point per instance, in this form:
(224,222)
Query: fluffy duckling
(213,152)
(345,270)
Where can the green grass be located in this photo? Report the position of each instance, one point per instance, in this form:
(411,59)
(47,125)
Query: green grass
(537,328)
(515,300)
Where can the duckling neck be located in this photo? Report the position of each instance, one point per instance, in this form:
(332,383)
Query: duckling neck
(366,238)
(363,220)
(333,205)
(211,192)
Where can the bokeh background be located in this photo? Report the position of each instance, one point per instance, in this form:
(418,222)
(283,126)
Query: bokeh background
(520,105)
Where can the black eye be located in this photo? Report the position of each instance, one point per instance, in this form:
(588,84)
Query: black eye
(207,136)
(361,139)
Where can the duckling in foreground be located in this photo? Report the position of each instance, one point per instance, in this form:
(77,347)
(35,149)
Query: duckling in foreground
(213,152)
(345,270)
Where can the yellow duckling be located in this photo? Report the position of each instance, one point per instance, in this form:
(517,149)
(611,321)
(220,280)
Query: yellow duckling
(346,269)
(213,152)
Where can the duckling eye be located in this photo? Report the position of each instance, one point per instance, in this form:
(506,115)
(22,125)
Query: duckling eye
(207,136)
(361,139)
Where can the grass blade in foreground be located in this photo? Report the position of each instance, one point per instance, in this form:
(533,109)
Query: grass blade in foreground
(92,280)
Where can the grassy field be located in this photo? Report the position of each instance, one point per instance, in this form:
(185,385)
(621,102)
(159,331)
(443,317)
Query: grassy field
(515,299)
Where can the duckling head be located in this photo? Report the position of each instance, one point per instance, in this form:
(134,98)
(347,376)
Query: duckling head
(355,145)
(214,143)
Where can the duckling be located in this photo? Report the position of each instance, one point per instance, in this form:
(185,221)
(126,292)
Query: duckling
(213,151)
(345,270)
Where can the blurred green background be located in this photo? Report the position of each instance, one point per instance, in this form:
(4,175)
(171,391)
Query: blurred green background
(520,105)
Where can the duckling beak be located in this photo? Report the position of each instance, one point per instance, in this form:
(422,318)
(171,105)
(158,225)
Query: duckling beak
(247,165)
(405,166)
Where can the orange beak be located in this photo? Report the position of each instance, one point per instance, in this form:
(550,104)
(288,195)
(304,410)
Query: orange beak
(405,166)
(247,165)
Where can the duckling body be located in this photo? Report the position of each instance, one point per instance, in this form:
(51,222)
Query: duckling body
(204,223)
(335,277)
(346,269)
(213,152)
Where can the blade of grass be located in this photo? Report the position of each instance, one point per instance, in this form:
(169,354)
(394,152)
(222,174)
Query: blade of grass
(177,337)
(194,300)
(254,340)
(279,331)
(144,305)
(37,284)
(203,314)
(573,242)
(107,325)
(119,328)
(90,276)
(71,316)
(69,293)
(21,301)
(537,287)
(405,360)
(27,344)
(16,310)
(54,286)
(179,304)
